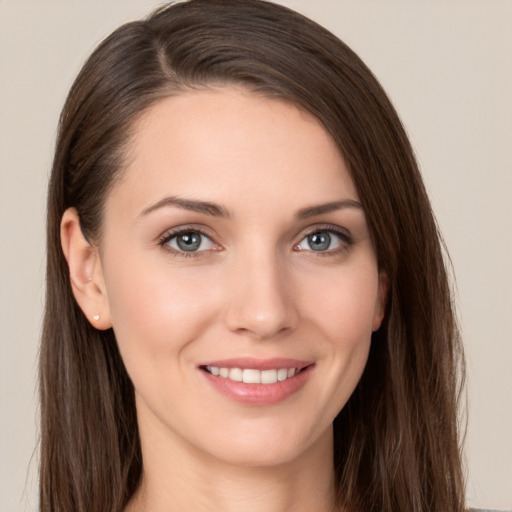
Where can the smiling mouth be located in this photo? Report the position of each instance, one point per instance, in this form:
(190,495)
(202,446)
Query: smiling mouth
(253,376)
(257,382)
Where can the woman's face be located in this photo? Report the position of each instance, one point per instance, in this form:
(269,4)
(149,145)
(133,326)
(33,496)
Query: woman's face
(234,247)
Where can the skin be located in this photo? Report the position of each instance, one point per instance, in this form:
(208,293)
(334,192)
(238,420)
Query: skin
(256,288)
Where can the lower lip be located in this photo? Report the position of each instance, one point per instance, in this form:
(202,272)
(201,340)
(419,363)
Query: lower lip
(259,394)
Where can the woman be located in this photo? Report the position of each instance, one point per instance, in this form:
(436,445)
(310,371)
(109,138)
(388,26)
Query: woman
(247,304)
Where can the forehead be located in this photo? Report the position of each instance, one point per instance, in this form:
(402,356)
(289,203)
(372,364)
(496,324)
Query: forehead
(231,145)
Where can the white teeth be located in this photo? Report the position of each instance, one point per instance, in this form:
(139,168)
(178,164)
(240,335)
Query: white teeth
(252,376)
(268,376)
(214,370)
(282,374)
(236,374)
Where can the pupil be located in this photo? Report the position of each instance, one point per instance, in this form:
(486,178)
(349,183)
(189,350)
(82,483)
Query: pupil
(189,241)
(319,241)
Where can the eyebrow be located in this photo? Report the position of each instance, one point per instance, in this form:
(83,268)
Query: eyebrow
(193,205)
(312,211)
(217,210)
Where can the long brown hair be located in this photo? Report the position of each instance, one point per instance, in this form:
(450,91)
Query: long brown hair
(396,440)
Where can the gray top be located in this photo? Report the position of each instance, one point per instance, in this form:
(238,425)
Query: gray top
(486,510)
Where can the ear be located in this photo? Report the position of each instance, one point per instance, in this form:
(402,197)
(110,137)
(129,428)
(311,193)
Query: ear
(382,299)
(85,271)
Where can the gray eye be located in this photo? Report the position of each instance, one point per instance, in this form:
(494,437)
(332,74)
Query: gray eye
(319,241)
(190,241)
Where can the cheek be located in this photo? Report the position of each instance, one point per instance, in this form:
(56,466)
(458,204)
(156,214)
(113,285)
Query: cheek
(342,312)
(344,304)
(158,310)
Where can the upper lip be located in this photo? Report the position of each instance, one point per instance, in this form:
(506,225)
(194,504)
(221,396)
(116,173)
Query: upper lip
(259,364)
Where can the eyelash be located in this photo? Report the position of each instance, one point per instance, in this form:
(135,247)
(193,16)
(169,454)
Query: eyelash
(169,235)
(346,240)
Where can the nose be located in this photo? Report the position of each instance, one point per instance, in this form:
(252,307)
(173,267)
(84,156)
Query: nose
(260,304)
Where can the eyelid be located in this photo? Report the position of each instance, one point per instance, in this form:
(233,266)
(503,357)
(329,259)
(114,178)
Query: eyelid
(343,233)
(164,238)
(171,233)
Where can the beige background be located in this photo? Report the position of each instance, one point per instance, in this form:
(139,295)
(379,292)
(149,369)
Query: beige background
(447,66)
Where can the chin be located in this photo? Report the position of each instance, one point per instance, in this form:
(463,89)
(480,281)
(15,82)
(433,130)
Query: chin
(259,447)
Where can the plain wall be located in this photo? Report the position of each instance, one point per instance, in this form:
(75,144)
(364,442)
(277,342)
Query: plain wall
(447,66)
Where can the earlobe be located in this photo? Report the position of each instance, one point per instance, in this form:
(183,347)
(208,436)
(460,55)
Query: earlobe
(85,271)
(382,299)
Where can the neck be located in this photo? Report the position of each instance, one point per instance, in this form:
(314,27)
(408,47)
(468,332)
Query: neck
(176,477)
